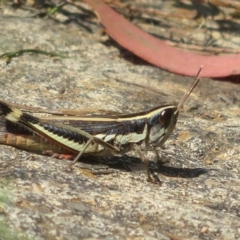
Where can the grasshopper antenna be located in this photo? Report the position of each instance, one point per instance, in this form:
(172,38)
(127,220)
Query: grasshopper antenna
(194,84)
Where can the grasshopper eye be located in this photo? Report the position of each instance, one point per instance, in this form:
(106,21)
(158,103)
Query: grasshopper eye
(165,117)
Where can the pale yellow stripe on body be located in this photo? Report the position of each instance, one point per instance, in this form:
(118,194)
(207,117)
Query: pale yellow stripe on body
(92,148)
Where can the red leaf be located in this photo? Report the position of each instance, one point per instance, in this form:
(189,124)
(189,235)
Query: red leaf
(158,52)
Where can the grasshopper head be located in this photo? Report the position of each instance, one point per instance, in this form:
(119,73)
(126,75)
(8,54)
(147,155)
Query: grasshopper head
(161,125)
(163,121)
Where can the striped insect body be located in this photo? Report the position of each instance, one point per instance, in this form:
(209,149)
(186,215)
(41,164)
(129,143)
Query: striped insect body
(99,136)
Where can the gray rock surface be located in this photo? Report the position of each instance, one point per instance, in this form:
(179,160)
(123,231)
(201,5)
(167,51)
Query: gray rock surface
(199,197)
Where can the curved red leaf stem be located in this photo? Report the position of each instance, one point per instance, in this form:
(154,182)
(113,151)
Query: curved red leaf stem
(157,52)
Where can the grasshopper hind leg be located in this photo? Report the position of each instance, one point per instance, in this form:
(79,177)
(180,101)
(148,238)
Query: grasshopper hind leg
(80,154)
(94,140)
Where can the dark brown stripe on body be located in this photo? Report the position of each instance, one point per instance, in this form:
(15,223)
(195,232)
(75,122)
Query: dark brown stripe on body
(4,109)
(65,133)
(94,128)
(16,128)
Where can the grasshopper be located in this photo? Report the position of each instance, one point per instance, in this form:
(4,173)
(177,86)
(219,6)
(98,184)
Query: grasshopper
(97,136)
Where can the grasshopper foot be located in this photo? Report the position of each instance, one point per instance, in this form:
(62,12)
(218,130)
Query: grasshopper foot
(58,155)
(153,178)
(69,168)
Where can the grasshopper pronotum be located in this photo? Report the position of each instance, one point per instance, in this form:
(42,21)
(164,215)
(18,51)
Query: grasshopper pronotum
(99,136)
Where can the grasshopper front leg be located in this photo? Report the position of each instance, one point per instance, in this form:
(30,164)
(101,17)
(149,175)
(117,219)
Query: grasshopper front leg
(151,174)
(160,161)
